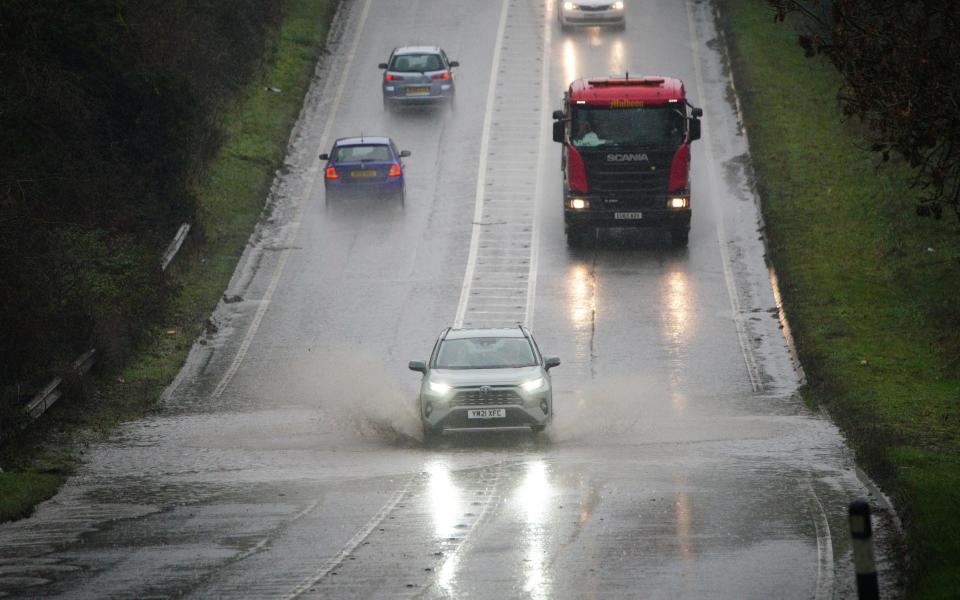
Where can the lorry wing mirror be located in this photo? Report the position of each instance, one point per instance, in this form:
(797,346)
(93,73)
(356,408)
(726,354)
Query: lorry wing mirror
(558,131)
(557,115)
(418,365)
(694,129)
(697,113)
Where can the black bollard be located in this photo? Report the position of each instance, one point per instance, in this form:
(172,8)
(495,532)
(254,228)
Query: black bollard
(863,563)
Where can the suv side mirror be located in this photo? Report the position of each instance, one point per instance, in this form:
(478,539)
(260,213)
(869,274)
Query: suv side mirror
(324,156)
(694,129)
(382,66)
(550,362)
(558,131)
(418,365)
(404,153)
(454,63)
(557,115)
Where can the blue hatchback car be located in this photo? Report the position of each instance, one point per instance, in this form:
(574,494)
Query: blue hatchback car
(369,166)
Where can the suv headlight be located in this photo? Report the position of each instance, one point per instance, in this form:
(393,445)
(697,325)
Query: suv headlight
(534,384)
(440,388)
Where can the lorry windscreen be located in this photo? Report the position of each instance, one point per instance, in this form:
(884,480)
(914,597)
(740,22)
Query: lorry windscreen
(657,126)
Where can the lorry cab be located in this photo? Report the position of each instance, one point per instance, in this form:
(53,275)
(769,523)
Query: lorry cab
(626,155)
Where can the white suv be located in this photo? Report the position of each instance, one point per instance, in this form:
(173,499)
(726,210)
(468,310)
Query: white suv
(485,380)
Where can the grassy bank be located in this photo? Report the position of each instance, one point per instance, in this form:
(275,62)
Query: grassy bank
(869,288)
(231,199)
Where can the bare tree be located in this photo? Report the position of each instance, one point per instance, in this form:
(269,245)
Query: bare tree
(899,61)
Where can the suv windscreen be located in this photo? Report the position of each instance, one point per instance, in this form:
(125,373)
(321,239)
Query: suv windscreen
(485,353)
(359,153)
(416,63)
(657,126)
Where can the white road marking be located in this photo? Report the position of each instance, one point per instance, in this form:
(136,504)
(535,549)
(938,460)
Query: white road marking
(505,236)
(825,576)
(482,169)
(753,370)
(352,543)
(824,588)
(295,225)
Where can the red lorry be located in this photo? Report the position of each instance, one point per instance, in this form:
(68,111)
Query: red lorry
(626,155)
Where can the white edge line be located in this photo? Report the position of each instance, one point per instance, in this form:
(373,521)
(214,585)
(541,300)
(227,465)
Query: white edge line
(295,225)
(824,546)
(481,170)
(352,543)
(745,349)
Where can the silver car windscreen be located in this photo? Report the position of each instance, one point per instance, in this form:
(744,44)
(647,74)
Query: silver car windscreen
(485,353)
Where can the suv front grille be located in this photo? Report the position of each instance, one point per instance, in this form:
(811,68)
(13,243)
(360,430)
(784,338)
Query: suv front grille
(492,396)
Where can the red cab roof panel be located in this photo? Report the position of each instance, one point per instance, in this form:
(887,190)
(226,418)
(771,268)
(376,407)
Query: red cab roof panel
(647,89)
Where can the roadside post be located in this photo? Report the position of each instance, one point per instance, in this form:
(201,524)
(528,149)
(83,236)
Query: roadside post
(862,541)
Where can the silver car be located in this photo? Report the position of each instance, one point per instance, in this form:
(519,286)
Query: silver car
(591,12)
(418,75)
(485,380)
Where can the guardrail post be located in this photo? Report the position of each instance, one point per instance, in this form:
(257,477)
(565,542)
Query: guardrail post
(862,541)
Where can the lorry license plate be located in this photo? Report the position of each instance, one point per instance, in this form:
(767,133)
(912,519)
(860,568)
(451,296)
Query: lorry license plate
(628,215)
(487,413)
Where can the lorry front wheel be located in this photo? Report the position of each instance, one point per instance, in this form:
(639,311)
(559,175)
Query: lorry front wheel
(679,236)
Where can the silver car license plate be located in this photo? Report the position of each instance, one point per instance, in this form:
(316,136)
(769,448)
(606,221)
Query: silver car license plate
(487,413)
(628,215)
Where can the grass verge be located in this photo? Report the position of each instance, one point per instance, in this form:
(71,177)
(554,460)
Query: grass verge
(231,201)
(869,288)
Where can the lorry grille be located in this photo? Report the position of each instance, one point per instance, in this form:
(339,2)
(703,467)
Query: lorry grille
(494,396)
(642,183)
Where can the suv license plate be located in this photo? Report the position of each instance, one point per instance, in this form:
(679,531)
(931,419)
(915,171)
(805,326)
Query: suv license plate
(487,413)
(628,215)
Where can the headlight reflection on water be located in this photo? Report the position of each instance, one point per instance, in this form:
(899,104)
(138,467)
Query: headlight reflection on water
(534,497)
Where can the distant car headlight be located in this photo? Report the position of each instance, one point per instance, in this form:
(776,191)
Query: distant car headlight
(533,385)
(618,6)
(440,388)
(569,6)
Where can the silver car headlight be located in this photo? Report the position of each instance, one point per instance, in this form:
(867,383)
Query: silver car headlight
(534,385)
(438,387)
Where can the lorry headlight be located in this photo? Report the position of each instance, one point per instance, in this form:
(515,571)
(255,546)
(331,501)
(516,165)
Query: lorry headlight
(578,203)
(440,388)
(678,202)
(533,385)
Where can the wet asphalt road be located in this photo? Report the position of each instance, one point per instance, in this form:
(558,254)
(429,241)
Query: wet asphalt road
(285,462)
